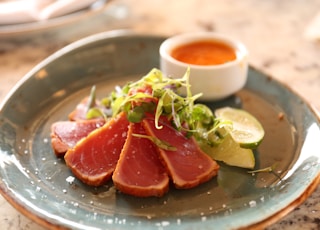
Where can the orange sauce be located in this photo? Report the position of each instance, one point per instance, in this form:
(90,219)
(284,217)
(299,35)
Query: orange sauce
(204,53)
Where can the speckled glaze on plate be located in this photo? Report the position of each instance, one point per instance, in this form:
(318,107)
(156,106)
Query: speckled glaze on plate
(35,182)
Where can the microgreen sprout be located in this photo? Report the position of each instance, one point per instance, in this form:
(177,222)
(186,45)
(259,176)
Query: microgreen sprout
(270,169)
(158,94)
(160,143)
(93,110)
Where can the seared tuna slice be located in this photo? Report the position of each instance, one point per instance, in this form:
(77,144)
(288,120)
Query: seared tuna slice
(65,134)
(188,166)
(80,112)
(139,171)
(94,158)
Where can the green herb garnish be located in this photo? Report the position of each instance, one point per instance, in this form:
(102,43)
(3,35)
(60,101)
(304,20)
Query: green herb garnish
(159,95)
(160,143)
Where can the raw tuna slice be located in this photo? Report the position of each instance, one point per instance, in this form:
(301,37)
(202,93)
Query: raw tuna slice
(188,166)
(139,171)
(65,134)
(94,158)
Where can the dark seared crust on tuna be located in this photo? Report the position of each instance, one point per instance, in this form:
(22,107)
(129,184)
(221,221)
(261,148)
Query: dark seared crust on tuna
(65,134)
(188,166)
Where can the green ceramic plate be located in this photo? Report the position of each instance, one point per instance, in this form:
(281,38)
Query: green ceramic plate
(35,182)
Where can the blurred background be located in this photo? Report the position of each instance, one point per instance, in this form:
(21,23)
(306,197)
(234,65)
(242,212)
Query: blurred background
(283,38)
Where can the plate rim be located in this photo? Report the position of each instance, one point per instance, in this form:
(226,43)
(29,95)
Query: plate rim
(116,33)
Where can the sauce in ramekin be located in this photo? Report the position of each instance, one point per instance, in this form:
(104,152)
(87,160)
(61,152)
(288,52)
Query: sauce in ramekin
(206,52)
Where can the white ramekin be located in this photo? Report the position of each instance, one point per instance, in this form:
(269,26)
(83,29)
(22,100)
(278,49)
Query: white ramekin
(214,81)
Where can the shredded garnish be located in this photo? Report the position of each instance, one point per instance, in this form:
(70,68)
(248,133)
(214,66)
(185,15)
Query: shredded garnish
(270,169)
(159,95)
(161,144)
